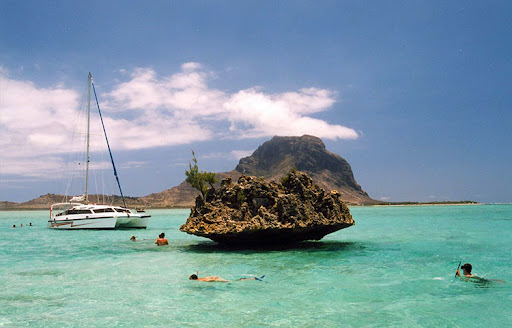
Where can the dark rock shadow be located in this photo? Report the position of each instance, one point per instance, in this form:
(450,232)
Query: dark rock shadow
(307,246)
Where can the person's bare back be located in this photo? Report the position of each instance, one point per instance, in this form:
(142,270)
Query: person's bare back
(208,279)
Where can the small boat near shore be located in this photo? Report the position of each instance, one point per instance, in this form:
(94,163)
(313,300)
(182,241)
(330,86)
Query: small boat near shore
(78,213)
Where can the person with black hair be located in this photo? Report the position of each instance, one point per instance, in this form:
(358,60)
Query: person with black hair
(466,270)
(161,240)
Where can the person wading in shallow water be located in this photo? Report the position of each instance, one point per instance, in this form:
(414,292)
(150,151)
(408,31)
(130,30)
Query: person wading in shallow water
(161,240)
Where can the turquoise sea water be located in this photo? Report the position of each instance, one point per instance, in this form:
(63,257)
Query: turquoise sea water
(394,268)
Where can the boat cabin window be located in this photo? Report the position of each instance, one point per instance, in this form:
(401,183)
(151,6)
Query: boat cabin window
(122,210)
(104,210)
(73,211)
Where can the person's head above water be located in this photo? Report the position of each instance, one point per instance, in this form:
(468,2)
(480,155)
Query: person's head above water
(162,235)
(467,268)
(193,277)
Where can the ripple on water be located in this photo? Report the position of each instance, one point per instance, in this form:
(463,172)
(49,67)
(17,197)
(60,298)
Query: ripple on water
(40,272)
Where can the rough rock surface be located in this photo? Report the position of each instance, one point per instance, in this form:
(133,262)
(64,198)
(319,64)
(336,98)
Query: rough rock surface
(257,212)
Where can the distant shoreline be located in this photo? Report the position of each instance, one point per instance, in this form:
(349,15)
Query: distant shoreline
(446,203)
(403,204)
(48,208)
(427,204)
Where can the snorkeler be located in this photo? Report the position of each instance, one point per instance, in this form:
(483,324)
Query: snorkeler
(468,276)
(466,270)
(208,279)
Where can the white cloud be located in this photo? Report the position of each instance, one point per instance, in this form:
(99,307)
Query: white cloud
(190,66)
(234,154)
(238,154)
(44,167)
(213,155)
(184,95)
(251,112)
(37,125)
(132,164)
(261,114)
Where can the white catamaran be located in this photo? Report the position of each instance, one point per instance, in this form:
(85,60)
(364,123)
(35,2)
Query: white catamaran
(78,213)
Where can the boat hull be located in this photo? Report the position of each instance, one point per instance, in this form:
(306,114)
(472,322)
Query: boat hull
(102,223)
(78,223)
(134,222)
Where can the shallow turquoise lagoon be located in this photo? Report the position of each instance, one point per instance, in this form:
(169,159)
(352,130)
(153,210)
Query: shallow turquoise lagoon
(394,268)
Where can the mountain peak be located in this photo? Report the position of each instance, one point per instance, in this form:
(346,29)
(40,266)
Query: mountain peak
(276,157)
(281,153)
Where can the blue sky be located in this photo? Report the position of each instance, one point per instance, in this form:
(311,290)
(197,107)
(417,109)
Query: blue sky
(414,94)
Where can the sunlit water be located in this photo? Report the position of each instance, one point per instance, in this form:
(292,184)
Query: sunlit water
(395,267)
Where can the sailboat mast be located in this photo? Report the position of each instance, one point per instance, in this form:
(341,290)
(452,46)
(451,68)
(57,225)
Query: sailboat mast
(89,82)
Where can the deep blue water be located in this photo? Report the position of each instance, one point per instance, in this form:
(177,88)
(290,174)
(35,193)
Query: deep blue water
(394,268)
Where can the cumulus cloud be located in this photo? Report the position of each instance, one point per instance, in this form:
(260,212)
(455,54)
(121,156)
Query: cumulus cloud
(251,112)
(147,110)
(261,114)
(184,95)
(234,154)
(33,126)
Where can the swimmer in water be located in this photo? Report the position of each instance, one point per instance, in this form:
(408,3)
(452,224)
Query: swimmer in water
(466,270)
(133,238)
(468,276)
(207,279)
(161,240)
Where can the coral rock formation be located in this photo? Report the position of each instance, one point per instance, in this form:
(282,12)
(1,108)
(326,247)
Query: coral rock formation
(257,212)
